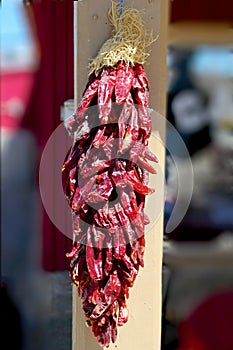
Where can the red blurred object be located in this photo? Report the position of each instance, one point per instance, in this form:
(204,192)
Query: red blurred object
(54,84)
(199,10)
(210,326)
(16,88)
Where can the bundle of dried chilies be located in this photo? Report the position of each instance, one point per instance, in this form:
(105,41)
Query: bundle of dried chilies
(106,174)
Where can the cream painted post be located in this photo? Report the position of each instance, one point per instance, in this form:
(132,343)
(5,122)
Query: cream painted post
(143,330)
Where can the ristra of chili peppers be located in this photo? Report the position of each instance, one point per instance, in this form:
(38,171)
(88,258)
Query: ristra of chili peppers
(105,179)
(104,264)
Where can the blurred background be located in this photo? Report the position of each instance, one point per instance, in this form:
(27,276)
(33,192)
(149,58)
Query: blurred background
(37,77)
(198,254)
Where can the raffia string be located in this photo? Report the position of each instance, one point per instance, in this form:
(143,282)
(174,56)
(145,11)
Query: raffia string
(129,43)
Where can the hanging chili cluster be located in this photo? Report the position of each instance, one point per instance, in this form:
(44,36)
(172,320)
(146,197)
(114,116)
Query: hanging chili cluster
(105,180)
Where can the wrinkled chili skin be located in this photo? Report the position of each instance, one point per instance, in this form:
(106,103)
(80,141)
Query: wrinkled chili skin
(106,189)
(88,96)
(124,81)
(105,91)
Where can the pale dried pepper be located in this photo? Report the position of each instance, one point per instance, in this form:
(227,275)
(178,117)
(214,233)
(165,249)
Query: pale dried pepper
(105,180)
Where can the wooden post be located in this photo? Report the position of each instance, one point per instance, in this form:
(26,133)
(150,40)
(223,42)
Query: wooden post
(143,330)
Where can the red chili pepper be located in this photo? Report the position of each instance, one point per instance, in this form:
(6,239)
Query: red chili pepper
(142,79)
(108,254)
(123,314)
(132,131)
(146,165)
(144,122)
(105,91)
(112,288)
(87,97)
(134,182)
(119,248)
(108,296)
(100,138)
(123,118)
(124,81)
(94,264)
